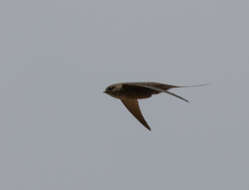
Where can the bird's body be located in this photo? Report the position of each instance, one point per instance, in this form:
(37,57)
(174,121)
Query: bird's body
(137,90)
(130,92)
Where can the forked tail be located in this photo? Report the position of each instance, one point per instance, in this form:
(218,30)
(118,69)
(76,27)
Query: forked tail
(177,96)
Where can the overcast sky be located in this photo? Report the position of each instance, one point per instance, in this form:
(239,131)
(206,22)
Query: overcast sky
(58,130)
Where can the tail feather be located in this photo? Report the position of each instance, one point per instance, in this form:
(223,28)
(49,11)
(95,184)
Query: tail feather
(177,96)
(190,86)
(168,86)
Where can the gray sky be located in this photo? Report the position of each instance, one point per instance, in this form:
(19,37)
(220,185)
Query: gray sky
(59,131)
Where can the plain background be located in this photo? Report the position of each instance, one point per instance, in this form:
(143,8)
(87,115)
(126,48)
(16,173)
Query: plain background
(59,131)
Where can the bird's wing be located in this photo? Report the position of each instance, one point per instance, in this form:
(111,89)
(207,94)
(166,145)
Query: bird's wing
(133,106)
(154,84)
(166,86)
(159,89)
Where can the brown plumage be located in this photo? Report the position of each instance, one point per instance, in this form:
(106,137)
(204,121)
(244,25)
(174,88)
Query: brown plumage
(130,92)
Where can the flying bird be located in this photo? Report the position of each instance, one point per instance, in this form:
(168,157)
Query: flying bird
(130,92)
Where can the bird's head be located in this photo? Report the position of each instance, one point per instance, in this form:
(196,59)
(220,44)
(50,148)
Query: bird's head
(113,90)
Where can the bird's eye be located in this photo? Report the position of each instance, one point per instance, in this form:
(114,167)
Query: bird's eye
(110,88)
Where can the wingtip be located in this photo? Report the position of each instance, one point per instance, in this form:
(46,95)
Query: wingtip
(148,127)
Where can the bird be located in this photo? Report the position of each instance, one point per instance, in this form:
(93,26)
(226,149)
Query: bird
(130,92)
